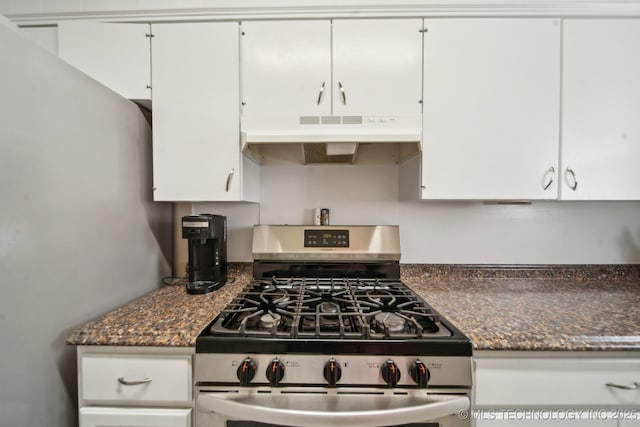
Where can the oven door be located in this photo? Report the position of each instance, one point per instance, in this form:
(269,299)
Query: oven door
(348,407)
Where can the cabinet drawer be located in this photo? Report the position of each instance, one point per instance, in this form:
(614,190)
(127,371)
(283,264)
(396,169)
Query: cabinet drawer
(134,417)
(132,378)
(554,382)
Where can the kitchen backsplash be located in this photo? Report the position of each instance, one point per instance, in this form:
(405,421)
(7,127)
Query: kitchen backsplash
(435,232)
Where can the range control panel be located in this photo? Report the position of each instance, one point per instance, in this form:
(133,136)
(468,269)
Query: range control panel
(334,370)
(326,238)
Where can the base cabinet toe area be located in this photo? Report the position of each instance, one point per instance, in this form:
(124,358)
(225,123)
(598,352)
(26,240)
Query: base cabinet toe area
(542,389)
(135,386)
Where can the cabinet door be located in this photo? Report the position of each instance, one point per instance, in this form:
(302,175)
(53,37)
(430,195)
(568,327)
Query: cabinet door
(538,382)
(134,417)
(377,66)
(116,55)
(196,141)
(491,108)
(286,70)
(601,109)
(542,418)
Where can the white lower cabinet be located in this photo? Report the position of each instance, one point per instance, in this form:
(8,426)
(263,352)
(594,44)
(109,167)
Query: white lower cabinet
(553,419)
(531,389)
(134,417)
(135,386)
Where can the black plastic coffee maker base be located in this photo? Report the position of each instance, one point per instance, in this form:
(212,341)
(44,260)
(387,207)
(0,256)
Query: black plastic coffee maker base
(203,287)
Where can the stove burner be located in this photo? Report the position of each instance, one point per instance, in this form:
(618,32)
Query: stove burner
(269,320)
(381,298)
(329,308)
(389,321)
(274,295)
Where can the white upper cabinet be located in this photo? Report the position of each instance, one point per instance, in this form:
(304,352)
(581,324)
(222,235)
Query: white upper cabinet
(286,69)
(319,68)
(491,108)
(377,67)
(116,55)
(601,109)
(196,112)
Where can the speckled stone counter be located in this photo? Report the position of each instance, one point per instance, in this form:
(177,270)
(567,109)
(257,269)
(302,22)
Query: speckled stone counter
(580,308)
(166,317)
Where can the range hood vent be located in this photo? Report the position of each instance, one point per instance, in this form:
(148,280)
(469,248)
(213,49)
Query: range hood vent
(330,120)
(330,139)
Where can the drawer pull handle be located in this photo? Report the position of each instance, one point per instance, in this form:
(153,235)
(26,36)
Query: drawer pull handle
(122,381)
(634,386)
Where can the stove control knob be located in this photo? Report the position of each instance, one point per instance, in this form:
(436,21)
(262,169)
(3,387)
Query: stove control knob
(419,373)
(246,371)
(275,372)
(390,373)
(332,372)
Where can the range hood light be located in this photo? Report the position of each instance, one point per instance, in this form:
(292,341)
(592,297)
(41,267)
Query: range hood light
(341,148)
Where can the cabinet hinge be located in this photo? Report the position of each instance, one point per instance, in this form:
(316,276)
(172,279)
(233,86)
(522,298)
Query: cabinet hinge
(148,86)
(149,35)
(424,30)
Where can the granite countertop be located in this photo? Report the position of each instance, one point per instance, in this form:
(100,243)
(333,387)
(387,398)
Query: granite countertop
(166,317)
(540,308)
(580,308)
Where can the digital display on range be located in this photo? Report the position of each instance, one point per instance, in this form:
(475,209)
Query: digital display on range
(326,238)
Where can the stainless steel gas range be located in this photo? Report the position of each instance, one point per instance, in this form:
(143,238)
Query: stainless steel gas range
(327,333)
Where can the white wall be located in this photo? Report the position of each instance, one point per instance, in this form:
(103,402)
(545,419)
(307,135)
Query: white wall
(435,232)
(79,234)
(46,37)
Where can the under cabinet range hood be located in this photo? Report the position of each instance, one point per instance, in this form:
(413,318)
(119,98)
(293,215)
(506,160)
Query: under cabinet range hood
(332,139)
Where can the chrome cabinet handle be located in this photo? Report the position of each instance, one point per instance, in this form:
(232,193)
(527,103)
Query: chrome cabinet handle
(229,178)
(122,381)
(549,174)
(342,94)
(633,386)
(570,172)
(321,93)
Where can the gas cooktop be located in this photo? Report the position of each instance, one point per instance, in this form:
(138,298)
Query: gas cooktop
(331,308)
(346,315)
(329,290)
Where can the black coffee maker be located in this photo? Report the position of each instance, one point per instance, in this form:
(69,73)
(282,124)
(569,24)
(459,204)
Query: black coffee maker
(207,235)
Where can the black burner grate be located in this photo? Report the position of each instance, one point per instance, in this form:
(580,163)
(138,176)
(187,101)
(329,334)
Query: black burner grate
(328,308)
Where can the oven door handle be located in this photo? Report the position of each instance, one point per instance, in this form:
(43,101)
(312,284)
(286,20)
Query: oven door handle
(315,410)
